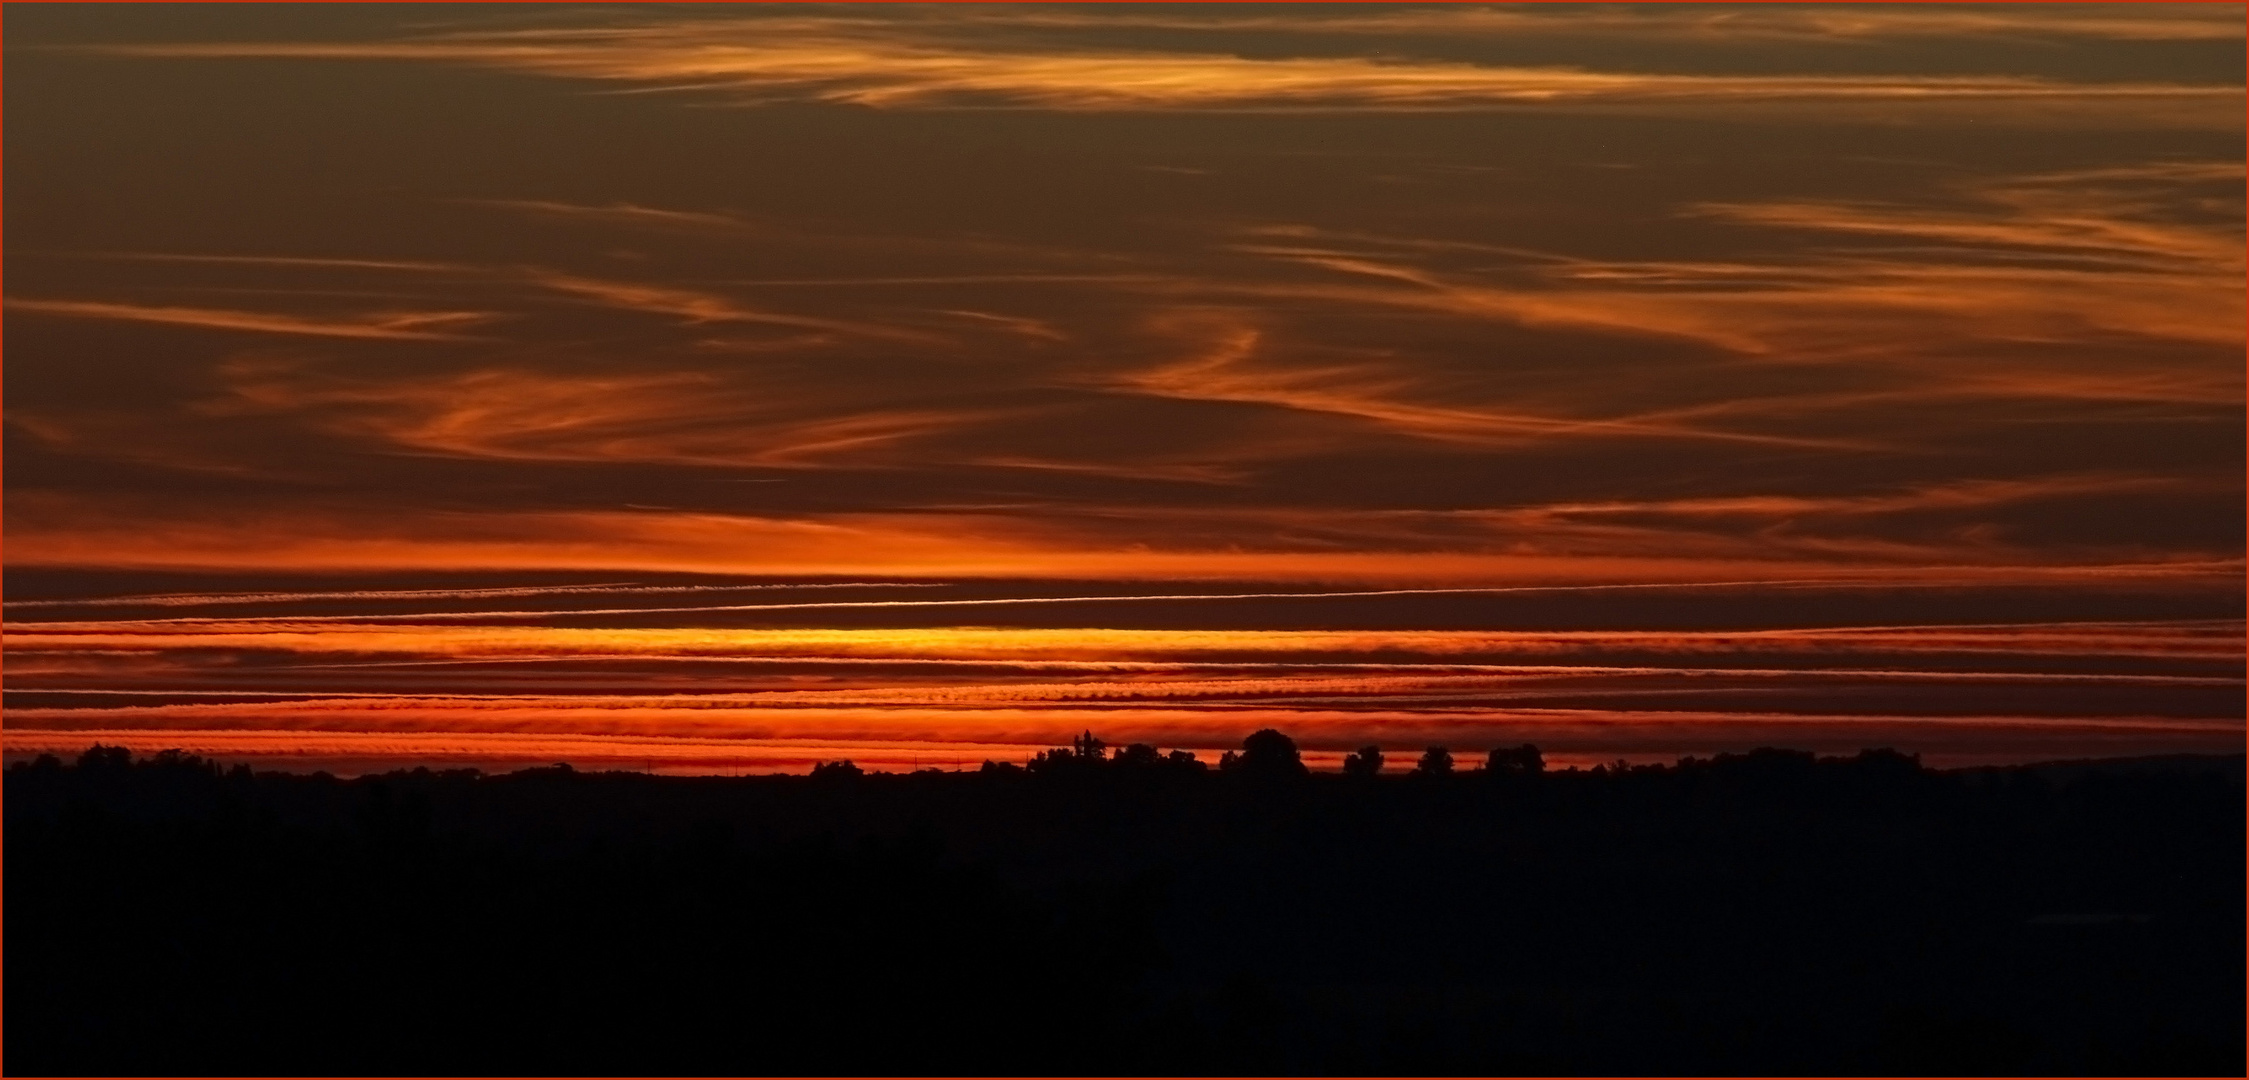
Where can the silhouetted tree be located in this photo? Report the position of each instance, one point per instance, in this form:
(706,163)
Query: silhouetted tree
(1767,768)
(1084,752)
(1137,756)
(1516,760)
(432,894)
(1435,761)
(179,759)
(1089,748)
(1270,753)
(1367,762)
(1885,762)
(98,756)
(836,770)
(1185,759)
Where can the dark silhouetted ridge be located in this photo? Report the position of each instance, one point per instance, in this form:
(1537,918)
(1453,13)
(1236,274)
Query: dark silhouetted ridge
(1131,911)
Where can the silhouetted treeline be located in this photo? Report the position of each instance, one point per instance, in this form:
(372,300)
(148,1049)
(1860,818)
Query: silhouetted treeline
(1130,911)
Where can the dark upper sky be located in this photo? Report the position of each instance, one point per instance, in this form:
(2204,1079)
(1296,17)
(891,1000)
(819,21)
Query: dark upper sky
(1927,296)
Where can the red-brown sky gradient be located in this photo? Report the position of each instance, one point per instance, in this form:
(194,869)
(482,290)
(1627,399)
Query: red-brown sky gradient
(725,388)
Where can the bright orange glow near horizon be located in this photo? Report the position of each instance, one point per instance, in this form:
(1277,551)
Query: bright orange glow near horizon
(734,389)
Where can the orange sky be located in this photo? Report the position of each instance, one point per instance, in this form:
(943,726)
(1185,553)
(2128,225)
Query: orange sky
(594,364)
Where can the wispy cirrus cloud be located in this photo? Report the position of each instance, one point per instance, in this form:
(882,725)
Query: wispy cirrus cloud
(1486,690)
(363,595)
(620,213)
(1819,23)
(2078,258)
(1226,368)
(1627,379)
(1813,647)
(418,266)
(1956,495)
(696,306)
(1395,548)
(938,62)
(676,417)
(692,305)
(2159,220)
(384,326)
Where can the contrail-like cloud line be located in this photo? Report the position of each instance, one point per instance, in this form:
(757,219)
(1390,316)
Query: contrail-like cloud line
(1399,676)
(197,599)
(449,616)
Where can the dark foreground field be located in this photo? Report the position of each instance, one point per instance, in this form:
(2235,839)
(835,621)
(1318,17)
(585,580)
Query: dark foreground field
(1757,914)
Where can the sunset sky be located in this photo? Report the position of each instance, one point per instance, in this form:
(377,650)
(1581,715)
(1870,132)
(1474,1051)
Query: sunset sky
(719,389)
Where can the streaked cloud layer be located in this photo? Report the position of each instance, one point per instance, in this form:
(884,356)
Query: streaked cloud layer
(1050,59)
(868,378)
(750,696)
